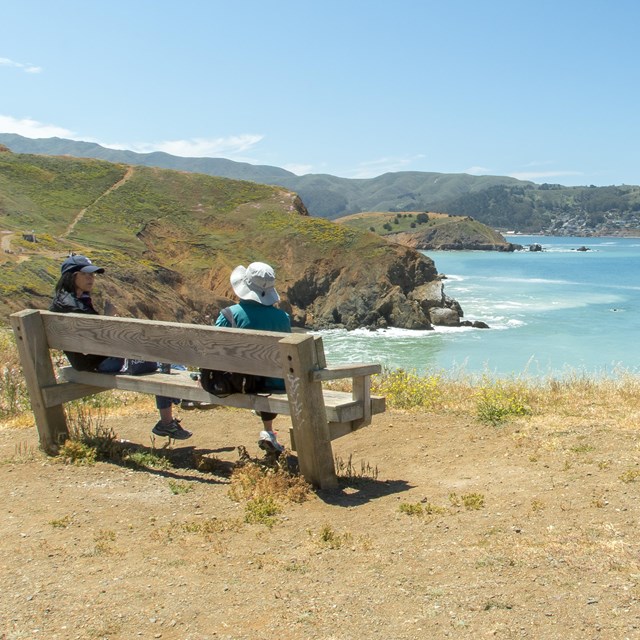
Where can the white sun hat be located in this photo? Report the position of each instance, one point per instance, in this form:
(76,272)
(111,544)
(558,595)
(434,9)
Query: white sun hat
(256,282)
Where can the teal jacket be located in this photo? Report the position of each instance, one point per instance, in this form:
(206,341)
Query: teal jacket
(248,314)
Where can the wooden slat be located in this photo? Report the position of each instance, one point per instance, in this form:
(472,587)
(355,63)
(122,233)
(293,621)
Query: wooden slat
(67,391)
(241,350)
(340,406)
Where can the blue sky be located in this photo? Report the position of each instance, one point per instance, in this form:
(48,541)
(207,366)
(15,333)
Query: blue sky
(540,90)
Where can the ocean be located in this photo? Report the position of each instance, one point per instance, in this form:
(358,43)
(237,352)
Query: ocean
(558,312)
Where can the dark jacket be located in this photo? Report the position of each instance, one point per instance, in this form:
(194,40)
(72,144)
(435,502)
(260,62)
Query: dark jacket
(66,302)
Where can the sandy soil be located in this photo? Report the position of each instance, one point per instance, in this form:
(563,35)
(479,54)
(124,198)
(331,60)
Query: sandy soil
(106,551)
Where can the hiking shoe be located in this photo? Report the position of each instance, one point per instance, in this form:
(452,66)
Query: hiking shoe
(171,430)
(269,442)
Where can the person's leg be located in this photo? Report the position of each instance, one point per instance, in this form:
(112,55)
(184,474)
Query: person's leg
(268,439)
(168,425)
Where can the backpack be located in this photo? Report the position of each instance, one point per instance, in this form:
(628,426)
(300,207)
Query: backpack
(224,383)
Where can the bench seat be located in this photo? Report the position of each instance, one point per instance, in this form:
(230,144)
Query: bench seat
(340,406)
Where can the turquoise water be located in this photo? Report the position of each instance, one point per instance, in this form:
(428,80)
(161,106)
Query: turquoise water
(555,312)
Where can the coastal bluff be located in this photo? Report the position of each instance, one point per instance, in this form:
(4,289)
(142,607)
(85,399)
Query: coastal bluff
(169,240)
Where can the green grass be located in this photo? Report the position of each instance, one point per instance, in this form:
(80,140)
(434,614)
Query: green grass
(470,501)
(147,460)
(262,510)
(328,537)
(178,488)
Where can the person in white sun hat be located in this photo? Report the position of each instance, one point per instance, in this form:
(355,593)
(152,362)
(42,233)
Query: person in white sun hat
(255,286)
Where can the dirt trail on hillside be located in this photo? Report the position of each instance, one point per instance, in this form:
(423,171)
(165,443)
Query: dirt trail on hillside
(467,531)
(5,241)
(112,188)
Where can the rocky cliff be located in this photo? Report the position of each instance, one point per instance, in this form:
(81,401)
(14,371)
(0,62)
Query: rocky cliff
(401,288)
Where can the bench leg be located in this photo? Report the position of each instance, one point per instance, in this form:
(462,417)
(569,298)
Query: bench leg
(361,391)
(38,371)
(308,414)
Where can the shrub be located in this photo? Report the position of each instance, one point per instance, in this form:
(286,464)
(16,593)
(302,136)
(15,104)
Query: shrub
(14,398)
(499,400)
(407,390)
(265,491)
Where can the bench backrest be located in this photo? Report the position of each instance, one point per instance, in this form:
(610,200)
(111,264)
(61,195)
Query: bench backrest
(241,350)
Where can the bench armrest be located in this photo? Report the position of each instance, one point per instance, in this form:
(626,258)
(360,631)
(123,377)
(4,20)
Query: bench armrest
(345,371)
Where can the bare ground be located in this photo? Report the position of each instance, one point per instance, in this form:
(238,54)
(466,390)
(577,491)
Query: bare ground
(106,551)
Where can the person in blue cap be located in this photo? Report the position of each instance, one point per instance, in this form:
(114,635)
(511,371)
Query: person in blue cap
(73,295)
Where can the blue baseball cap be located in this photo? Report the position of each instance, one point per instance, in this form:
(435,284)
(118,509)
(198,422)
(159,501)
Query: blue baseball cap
(77,263)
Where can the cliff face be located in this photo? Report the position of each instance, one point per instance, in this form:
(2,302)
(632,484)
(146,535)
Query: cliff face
(401,289)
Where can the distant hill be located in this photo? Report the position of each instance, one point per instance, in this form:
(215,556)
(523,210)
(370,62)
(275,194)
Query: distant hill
(429,231)
(324,195)
(210,166)
(169,241)
(497,201)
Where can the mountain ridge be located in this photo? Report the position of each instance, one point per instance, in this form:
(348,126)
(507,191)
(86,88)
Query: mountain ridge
(324,195)
(501,202)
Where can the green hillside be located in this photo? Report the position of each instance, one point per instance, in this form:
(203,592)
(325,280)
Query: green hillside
(552,208)
(169,241)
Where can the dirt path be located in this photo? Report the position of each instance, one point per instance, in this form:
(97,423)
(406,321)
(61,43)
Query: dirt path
(5,241)
(112,188)
(468,531)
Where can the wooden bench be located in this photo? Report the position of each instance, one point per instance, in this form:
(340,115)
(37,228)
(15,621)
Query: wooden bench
(317,415)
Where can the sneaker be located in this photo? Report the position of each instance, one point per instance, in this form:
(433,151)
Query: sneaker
(269,442)
(171,430)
